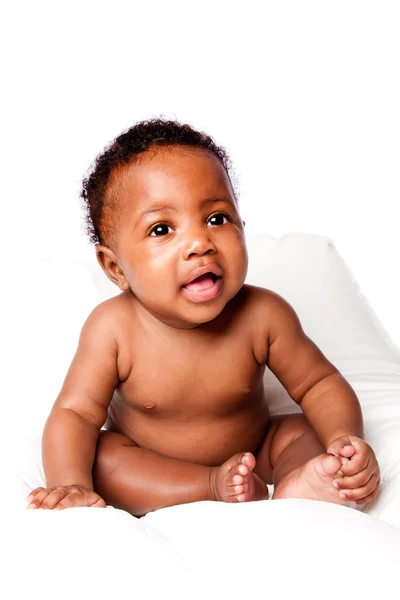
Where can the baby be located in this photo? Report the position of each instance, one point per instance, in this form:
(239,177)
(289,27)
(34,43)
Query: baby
(173,366)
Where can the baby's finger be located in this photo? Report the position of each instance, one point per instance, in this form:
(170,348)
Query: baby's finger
(99,503)
(358,462)
(54,498)
(370,497)
(347,451)
(361,492)
(38,499)
(71,500)
(33,493)
(354,481)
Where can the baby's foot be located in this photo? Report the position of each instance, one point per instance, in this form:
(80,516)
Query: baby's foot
(313,480)
(234,481)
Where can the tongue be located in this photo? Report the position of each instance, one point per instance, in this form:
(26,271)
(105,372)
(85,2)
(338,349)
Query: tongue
(201,283)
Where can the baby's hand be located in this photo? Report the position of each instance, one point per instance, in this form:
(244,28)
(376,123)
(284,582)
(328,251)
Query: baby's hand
(64,497)
(361,477)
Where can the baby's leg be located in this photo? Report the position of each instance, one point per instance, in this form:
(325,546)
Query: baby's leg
(139,480)
(293,459)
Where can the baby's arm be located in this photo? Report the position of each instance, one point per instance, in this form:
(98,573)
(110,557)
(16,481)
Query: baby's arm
(326,398)
(80,410)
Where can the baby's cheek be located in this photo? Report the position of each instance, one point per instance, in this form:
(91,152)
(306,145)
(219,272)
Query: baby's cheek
(240,262)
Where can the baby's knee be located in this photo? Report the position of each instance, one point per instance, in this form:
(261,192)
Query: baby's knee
(294,426)
(290,428)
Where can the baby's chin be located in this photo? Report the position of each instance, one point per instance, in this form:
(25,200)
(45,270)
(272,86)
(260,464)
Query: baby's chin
(189,317)
(193,319)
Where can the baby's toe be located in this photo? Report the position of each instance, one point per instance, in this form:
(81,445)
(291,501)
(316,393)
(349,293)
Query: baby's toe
(330,464)
(249,461)
(238,468)
(241,498)
(241,463)
(236,479)
(242,469)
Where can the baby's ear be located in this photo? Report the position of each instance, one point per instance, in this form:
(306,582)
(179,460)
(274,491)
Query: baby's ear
(109,263)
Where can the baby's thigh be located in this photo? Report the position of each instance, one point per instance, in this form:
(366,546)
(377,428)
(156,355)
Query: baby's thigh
(282,431)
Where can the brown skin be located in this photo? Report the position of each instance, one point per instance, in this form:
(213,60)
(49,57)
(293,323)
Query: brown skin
(179,382)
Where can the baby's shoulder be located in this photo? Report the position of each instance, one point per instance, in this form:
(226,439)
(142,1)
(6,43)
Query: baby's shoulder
(271,312)
(109,308)
(113,324)
(110,315)
(267,309)
(266,313)
(263,301)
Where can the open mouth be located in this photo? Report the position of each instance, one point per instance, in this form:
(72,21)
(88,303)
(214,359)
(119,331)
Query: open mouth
(204,288)
(204,282)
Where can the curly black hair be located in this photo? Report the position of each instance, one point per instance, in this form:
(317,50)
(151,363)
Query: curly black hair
(97,193)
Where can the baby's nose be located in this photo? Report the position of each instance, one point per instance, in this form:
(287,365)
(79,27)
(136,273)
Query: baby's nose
(200,243)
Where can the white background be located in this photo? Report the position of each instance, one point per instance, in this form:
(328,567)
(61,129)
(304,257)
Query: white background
(303,95)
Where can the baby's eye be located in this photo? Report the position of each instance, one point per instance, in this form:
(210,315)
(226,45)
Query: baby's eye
(160,229)
(218,219)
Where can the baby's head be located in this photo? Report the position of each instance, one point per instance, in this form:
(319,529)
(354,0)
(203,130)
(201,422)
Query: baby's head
(161,210)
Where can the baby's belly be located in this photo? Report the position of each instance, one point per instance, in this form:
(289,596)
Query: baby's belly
(203,441)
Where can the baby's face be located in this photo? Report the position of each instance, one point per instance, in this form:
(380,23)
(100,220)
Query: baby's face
(179,221)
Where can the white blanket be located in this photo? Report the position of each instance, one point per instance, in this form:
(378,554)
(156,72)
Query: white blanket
(205,551)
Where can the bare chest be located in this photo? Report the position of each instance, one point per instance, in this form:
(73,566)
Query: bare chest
(187,380)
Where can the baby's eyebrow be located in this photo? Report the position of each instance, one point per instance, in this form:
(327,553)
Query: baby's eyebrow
(154,209)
